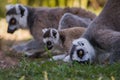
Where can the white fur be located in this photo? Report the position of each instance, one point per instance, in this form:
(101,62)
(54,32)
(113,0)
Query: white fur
(8,7)
(58,57)
(44,30)
(56,40)
(28,53)
(8,18)
(21,20)
(62,57)
(87,47)
(67,59)
(17,8)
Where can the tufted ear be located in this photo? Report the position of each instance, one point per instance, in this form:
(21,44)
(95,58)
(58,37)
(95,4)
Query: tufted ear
(8,7)
(22,10)
(44,30)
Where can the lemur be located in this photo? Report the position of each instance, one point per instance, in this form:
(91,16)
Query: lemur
(54,38)
(102,36)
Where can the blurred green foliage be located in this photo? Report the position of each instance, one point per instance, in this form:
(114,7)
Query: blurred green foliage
(93,5)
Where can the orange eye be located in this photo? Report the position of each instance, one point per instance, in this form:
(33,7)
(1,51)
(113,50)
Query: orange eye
(13,21)
(80,53)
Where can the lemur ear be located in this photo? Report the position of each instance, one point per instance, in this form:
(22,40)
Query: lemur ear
(44,30)
(22,10)
(54,33)
(8,7)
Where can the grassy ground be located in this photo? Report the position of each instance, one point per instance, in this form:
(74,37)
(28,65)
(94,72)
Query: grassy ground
(16,67)
(34,70)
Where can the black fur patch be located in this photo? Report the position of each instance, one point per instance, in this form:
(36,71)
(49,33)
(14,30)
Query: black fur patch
(54,33)
(95,44)
(47,34)
(72,51)
(62,38)
(11,11)
(30,18)
(22,10)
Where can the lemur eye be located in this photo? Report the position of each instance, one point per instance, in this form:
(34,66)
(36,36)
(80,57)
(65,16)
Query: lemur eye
(80,53)
(49,43)
(82,44)
(13,21)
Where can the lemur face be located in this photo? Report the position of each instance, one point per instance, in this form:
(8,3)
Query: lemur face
(82,51)
(50,37)
(16,17)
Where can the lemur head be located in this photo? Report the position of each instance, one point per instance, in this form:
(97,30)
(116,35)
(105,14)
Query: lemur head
(50,37)
(82,51)
(16,16)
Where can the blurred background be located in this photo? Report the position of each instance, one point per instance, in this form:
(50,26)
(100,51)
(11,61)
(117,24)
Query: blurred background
(92,5)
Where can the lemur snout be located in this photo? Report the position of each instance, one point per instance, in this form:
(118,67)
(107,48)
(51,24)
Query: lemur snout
(49,45)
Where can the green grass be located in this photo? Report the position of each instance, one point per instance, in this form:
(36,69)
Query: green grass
(35,70)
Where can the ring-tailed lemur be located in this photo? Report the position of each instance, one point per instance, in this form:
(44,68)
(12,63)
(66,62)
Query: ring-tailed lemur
(54,39)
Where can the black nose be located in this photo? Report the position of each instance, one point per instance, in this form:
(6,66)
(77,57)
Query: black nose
(80,53)
(85,62)
(49,45)
(82,62)
(11,31)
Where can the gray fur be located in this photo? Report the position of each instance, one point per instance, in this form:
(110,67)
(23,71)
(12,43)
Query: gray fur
(104,32)
(69,20)
(47,34)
